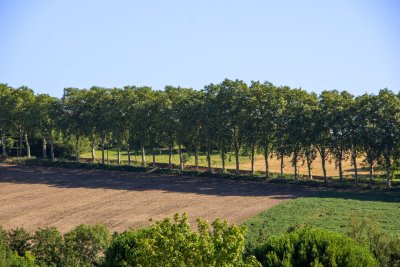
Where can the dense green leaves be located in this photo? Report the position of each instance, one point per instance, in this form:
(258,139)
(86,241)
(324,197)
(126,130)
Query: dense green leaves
(230,117)
(313,247)
(174,243)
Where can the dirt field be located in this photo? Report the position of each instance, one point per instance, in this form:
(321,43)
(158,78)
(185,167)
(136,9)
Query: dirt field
(35,197)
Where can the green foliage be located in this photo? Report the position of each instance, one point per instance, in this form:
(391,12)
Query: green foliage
(47,246)
(174,244)
(84,244)
(366,231)
(313,247)
(227,118)
(19,240)
(9,258)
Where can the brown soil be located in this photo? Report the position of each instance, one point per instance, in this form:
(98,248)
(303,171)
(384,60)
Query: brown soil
(35,197)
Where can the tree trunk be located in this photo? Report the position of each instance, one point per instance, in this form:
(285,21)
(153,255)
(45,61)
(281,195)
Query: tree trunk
(143,157)
(129,156)
(3,145)
(340,156)
(309,167)
(102,153)
(196,159)
(118,154)
(154,156)
(371,169)
(20,144)
(252,159)
(266,156)
(170,158)
(354,160)
(282,165)
(44,148)
(223,159)
(51,147)
(77,149)
(180,158)
(295,163)
(28,147)
(237,158)
(323,158)
(388,170)
(93,151)
(209,160)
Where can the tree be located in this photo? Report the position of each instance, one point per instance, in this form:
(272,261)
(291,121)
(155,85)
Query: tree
(322,133)
(281,145)
(336,107)
(265,106)
(190,118)
(388,125)
(369,131)
(7,109)
(231,116)
(23,119)
(299,113)
(73,115)
(45,114)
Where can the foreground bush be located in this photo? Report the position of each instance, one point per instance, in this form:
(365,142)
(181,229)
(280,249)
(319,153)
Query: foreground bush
(9,258)
(175,244)
(313,247)
(367,232)
(84,244)
(48,247)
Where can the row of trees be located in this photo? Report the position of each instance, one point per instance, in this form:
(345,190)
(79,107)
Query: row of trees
(229,117)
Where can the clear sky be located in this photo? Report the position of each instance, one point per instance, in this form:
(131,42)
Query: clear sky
(349,45)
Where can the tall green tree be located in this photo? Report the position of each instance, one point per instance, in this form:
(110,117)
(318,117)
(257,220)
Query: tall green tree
(267,107)
(368,129)
(231,116)
(24,121)
(7,108)
(45,111)
(281,146)
(300,108)
(388,123)
(73,118)
(336,106)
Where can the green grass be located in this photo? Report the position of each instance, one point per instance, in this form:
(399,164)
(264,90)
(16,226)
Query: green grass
(330,210)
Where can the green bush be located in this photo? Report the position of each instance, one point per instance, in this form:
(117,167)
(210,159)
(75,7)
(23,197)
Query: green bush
(19,240)
(47,246)
(84,244)
(175,244)
(313,247)
(9,258)
(367,232)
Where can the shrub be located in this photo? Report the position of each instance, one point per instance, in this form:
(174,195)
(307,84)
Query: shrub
(367,232)
(19,240)
(9,258)
(174,244)
(313,247)
(47,246)
(84,244)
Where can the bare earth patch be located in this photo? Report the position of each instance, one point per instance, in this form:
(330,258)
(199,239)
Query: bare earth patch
(35,197)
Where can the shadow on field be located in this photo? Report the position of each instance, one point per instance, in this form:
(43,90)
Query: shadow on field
(122,180)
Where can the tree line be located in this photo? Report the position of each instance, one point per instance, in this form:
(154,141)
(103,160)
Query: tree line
(229,117)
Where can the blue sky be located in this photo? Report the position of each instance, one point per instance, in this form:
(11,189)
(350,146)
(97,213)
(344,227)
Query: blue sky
(315,45)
